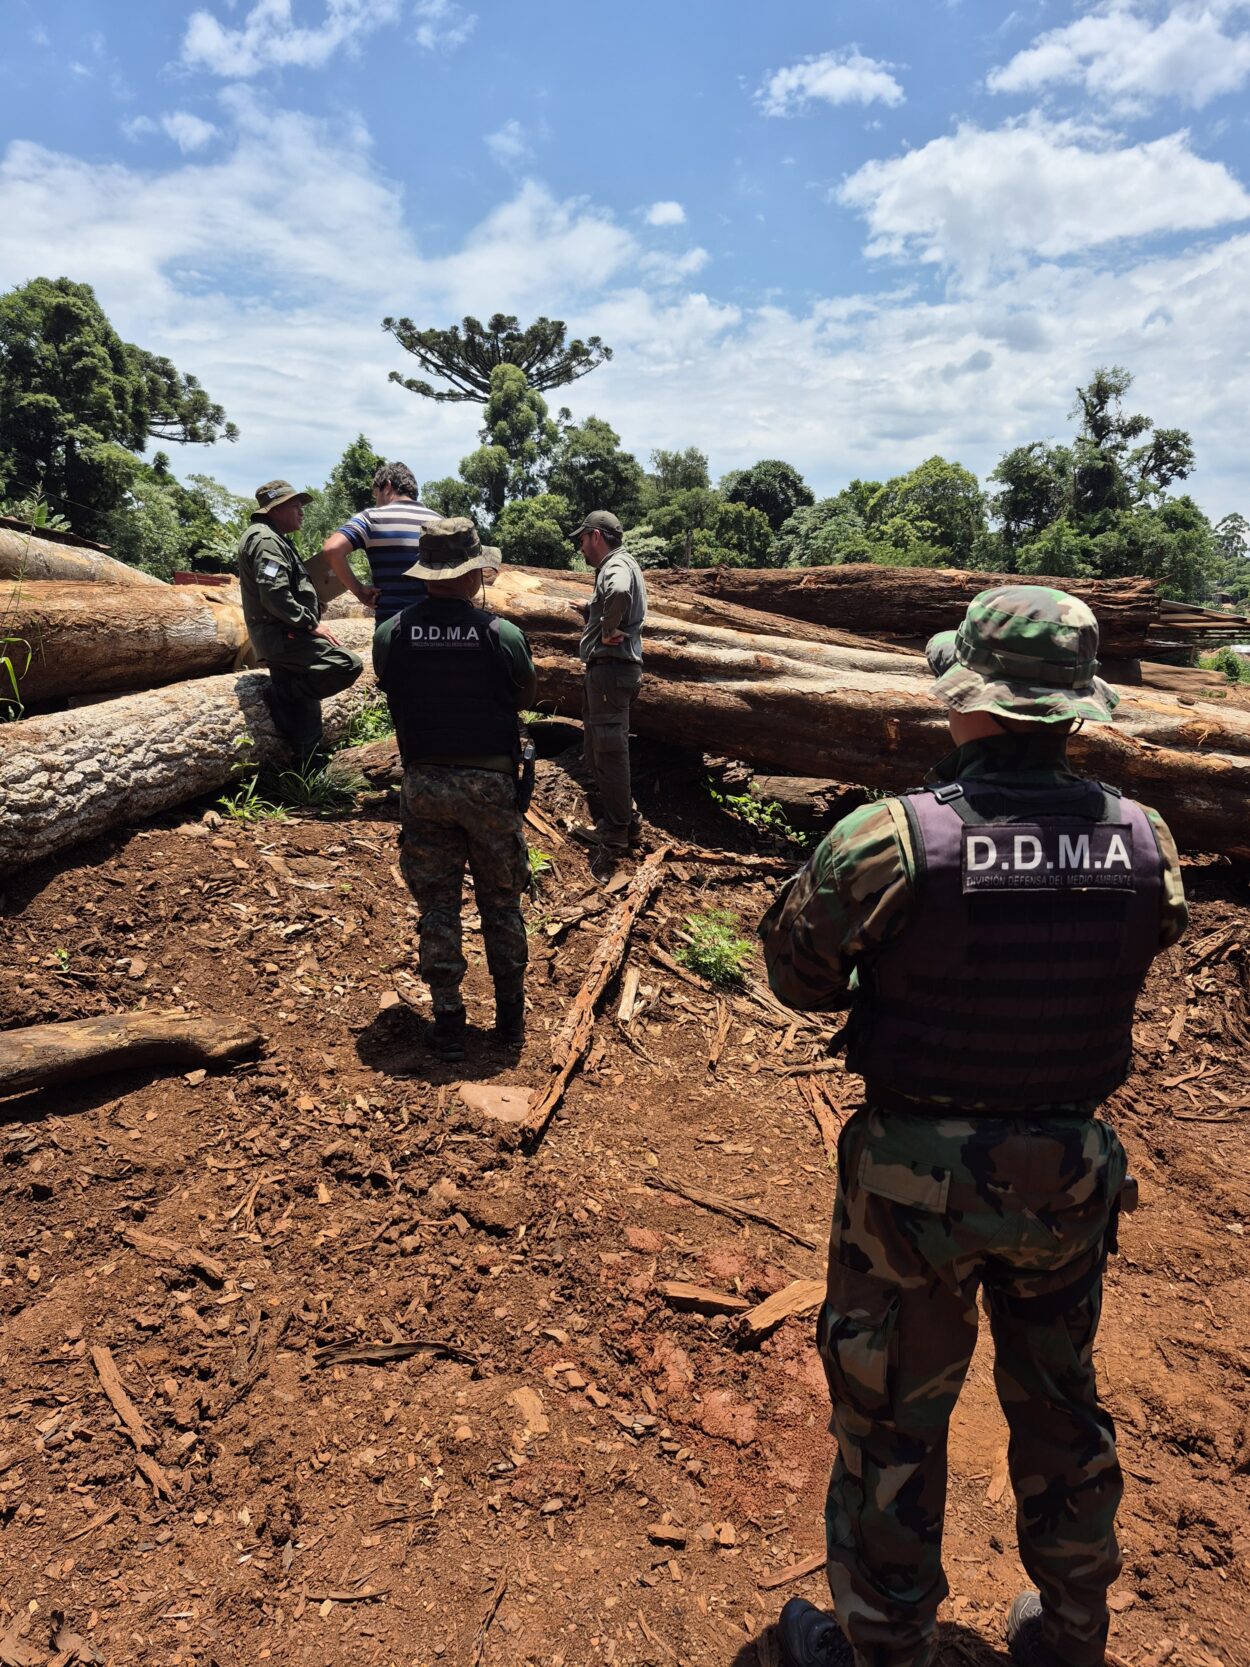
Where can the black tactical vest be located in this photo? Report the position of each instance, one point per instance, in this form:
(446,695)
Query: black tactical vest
(1013,985)
(449,683)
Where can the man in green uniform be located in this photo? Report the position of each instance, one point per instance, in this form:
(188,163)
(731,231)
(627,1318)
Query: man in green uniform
(990,935)
(455,677)
(611,649)
(306,663)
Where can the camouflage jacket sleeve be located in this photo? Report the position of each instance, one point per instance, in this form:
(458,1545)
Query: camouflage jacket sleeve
(854,895)
(1173,910)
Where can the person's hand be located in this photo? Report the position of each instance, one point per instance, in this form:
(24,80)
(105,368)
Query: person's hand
(368,594)
(323,631)
(611,638)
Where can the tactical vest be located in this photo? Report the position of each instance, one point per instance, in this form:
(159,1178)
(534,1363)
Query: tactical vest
(449,684)
(1013,985)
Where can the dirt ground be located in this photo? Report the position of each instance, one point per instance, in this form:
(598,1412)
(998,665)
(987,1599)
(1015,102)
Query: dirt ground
(569,1469)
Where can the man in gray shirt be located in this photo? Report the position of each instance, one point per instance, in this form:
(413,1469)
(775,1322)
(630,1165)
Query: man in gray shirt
(611,648)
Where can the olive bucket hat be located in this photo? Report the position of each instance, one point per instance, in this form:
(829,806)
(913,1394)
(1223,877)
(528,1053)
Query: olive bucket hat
(275,492)
(452,547)
(1023,651)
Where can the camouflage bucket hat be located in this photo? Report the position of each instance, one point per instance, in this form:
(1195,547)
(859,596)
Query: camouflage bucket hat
(1023,651)
(275,492)
(450,548)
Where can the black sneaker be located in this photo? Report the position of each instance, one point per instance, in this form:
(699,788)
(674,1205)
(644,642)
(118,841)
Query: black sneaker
(510,1021)
(1025,1643)
(807,1637)
(447,1036)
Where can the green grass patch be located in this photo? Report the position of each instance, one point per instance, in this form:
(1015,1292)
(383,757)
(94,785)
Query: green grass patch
(248,804)
(372,723)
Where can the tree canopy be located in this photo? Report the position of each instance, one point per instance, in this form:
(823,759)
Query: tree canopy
(775,488)
(77,403)
(467,355)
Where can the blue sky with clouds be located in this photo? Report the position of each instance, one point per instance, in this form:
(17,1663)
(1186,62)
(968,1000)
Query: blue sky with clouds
(850,235)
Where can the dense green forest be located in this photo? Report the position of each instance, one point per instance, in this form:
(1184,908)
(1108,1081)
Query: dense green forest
(79,406)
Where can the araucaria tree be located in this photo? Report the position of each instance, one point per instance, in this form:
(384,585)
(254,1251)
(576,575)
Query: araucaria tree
(466,355)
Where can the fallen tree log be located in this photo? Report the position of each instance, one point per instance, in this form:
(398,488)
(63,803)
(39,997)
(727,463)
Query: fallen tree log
(27,556)
(867,717)
(92,639)
(45,1055)
(73,775)
(914,602)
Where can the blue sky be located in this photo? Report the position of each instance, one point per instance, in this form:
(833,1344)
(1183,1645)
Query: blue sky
(849,235)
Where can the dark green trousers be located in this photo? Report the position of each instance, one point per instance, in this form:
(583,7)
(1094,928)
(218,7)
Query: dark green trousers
(307,670)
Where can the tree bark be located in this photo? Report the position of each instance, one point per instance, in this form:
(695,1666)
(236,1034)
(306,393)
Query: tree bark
(866,716)
(73,775)
(91,639)
(907,602)
(46,1055)
(26,556)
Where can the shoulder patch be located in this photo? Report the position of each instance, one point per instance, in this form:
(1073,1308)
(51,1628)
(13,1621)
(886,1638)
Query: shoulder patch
(271,569)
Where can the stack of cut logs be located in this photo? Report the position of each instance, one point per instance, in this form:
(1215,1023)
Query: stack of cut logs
(812,672)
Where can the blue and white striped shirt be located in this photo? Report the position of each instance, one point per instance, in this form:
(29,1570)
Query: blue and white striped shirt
(389,535)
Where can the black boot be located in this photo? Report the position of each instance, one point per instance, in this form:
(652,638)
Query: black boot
(1024,1634)
(447,1037)
(807,1637)
(510,1021)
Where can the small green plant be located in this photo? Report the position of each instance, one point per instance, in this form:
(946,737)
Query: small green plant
(372,723)
(540,863)
(711,947)
(15,655)
(62,958)
(765,816)
(247,804)
(319,789)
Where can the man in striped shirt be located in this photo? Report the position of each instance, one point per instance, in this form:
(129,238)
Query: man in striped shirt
(389,534)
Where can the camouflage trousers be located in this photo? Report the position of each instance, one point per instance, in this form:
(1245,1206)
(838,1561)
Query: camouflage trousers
(929,1211)
(451,817)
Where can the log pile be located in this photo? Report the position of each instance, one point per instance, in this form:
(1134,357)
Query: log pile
(70,776)
(911,603)
(866,715)
(807,698)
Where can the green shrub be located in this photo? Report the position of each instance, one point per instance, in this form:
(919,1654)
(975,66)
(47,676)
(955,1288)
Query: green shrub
(710,946)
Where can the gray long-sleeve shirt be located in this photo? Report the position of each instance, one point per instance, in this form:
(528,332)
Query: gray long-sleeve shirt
(617,603)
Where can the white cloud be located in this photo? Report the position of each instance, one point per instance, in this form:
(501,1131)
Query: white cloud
(442,25)
(508,145)
(138,126)
(188,132)
(981,201)
(844,77)
(672,269)
(270,38)
(666,214)
(1121,53)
